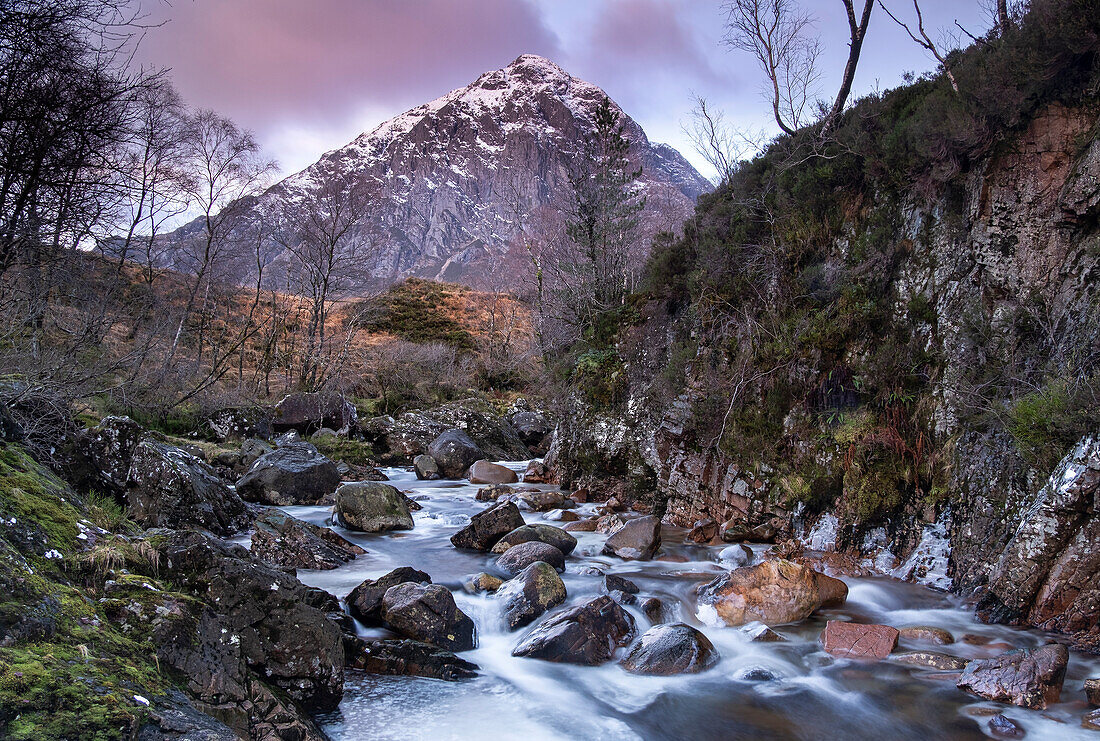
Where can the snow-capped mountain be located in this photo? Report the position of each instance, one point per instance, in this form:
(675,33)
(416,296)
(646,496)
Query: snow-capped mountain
(456,178)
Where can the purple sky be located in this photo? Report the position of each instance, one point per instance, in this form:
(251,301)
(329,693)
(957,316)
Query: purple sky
(309,75)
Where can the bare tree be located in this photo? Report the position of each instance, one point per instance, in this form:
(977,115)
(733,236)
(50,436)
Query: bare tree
(720,144)
(924,41)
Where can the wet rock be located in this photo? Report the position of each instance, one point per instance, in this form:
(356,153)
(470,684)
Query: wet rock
(610,524)
(493,492)
(587,634)
(166,487)
(1002,727)
(536,473)
(294,473)
(541,533)
(409,658)
(859,641)
(638,540)
(1091,720)
(664,650)
(580,496)
(372,507)
(427,612)
(927,634)
(519,557)
(251,451)
(543,501)
(531,593)
(562,515)
(582,526)
(306,412)
(735,556)
(613,583)
(426,468)
(653,609)
(486,472)
(703,531)
(760,633)
(932,660)
(1092,691)
(365,601)
(454,452)
(773,592)
(1030,678)
(757,674)
(488,526)
(482,583)
(282,540)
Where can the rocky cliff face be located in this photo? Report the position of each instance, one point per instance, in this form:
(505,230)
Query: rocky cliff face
(997,278)
(453,180)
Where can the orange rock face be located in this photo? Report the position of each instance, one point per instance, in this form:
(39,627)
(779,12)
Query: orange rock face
(857,641)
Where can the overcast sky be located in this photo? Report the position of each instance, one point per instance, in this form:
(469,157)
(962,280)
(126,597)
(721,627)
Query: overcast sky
(310,75)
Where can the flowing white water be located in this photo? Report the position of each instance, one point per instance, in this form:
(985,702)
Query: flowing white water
(788,690)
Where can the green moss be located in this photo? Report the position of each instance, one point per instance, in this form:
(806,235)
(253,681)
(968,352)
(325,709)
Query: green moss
(354,452)
(416,311)
(29,492)
(601,376)
(1045,424)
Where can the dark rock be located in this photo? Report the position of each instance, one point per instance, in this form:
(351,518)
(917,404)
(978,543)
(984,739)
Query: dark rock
(1030,678)
(932,660)
(372,507)
(773,592)
(758,674)
(653,609)
(1092,691)
(454,452)
(703,531)
(533,429)
(365,601)
(639,539)
(1091,720)
(543,501)
(10,430)
(858,641)
(236,423)
(294,473)
(427,612)
(541,533)
(760,633)
(536,473)
(614,583)
(426,468)
(100,457)
(587,634)
(488,526)
(1002,727)
(486,472)
(531,593)
(167,487)
(926,634)
(251,451)
(306,412)
(671,649)
(519,557)
(409,658)
(282,540)
(482,582)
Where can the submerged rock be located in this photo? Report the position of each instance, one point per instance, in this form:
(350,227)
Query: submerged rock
(772,592)
(1002,727)
(409,658)
(932,660)
(486,472)
(927,634)
(1031,678)
(427,612)
(638,540)
(365,601)
(372,507)
(587,634)
(540,532)
(859,641)
(531,593)
(519,557)
(671,649)
(282,540)
(488,526)
(543,501)
(294,473)
(455,452)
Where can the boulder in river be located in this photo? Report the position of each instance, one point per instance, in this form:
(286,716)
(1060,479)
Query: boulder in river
(519,557)
(426,468)
(294,473)
(365,601)
(1092,691)
(703,531)
(488,526)
(540,532)
(282,540)
(406,657)
(735,556)
(671,649)
(638,540)
(531,593)
(1031,678)
(588,634)
(858,641)
(1003,727)
(372,507)
(543,501)
(482,582)
(581,526)
(926,634)
(932,660)
(1091,720)
(613,583)
(454,451)
(536,473)
(427,612)
(772,592)
(610,524)
(487,472)
(492,492)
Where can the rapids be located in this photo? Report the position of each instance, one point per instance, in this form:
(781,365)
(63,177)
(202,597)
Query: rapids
(789,690)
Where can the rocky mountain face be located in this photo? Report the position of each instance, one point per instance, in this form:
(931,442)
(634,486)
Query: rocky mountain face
(1001,273)
(452,182)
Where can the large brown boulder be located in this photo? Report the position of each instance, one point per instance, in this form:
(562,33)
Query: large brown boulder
(372,507)
(488,526)
(294,473)
(1031,678)
(531,593)
(308,412)
(859,641)
(519,557)
(671,649)
(427,612)
(282,540)
(638,540)
(773,592)
(454,452)
(487,472)
(365,601)
(588,634)
(540,532)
